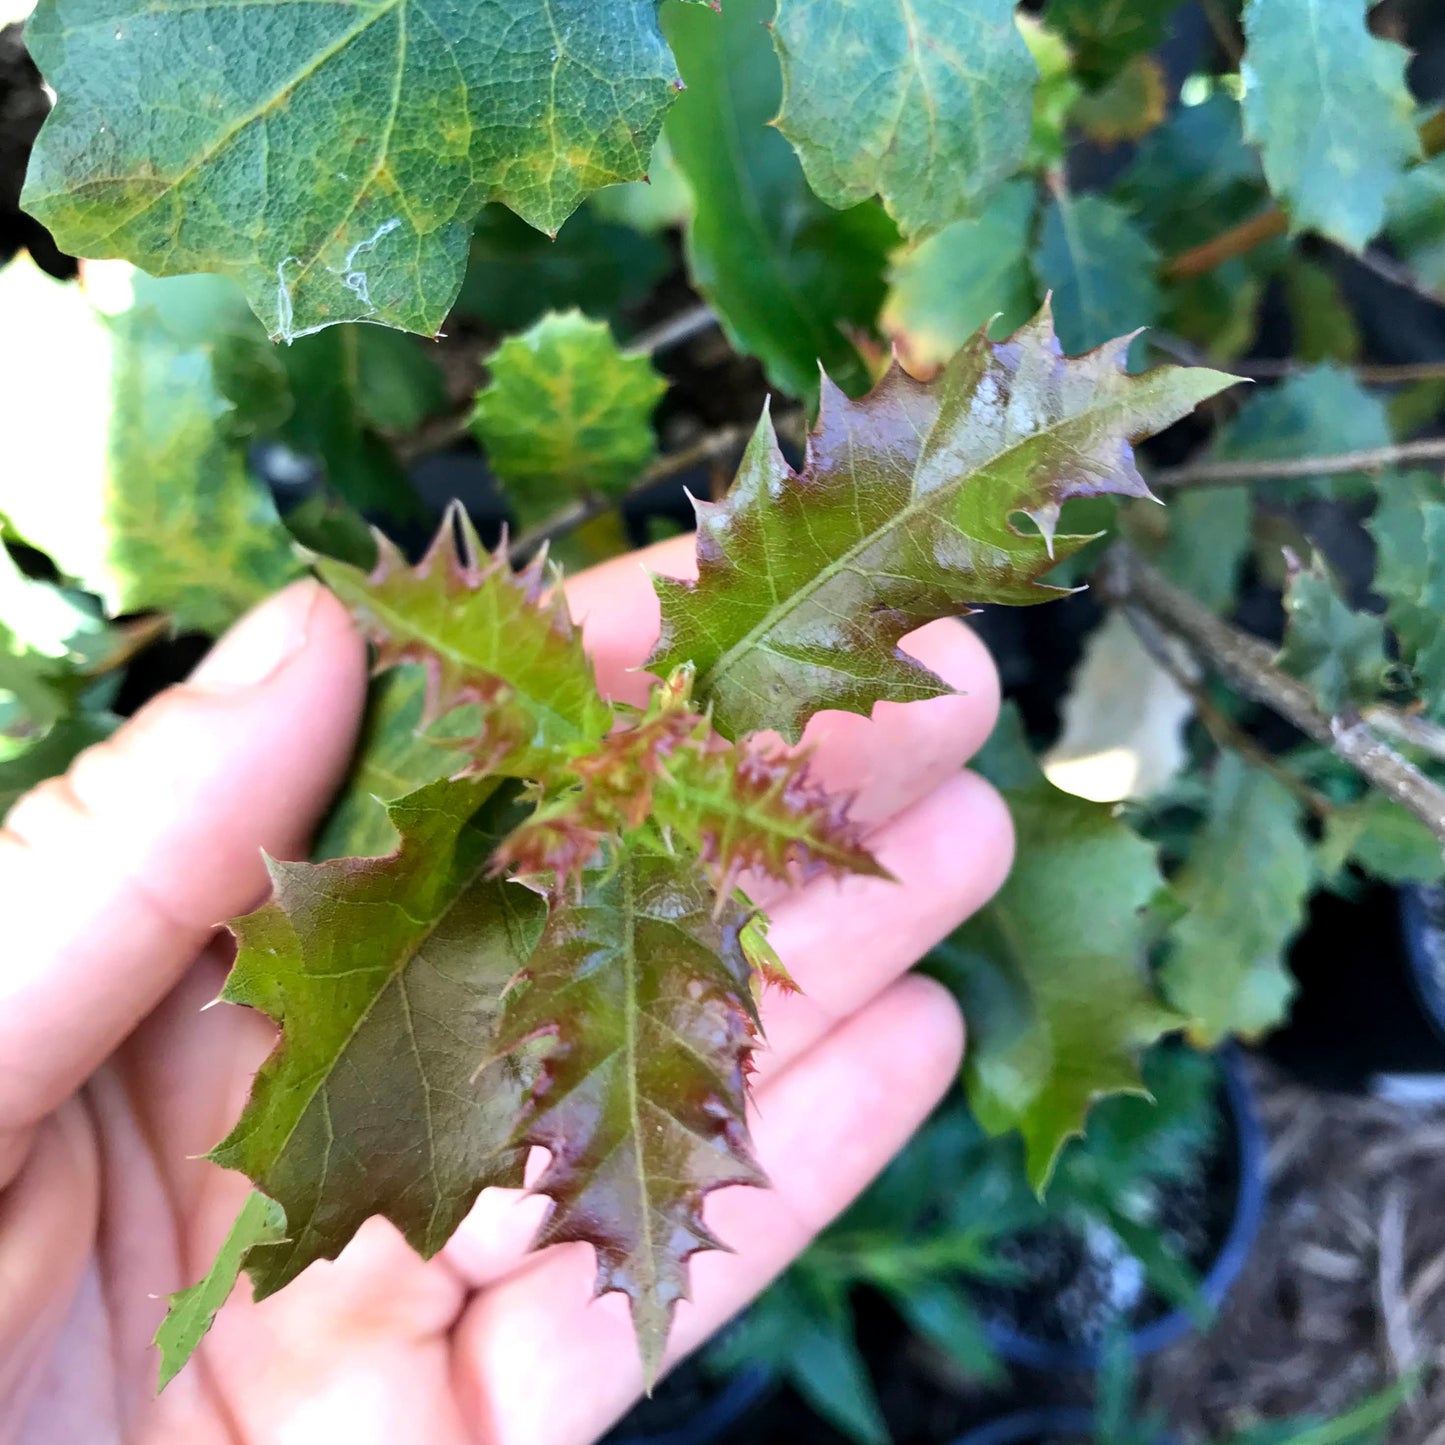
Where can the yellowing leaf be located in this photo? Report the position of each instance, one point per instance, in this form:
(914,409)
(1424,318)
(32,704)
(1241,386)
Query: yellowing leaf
(566,414)
(928,103)
(332,156)
(640,997)
(902,514)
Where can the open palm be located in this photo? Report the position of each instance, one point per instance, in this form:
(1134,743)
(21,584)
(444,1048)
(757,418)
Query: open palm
(112,1080)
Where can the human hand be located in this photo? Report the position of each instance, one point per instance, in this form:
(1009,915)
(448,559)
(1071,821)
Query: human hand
(112,1081)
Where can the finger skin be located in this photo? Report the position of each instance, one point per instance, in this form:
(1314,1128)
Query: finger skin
(823,1129)
(116,874)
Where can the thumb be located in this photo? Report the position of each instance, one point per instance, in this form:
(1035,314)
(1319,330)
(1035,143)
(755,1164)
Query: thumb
(115,875)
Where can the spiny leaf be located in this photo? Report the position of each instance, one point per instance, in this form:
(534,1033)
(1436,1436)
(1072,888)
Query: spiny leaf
(1338,651)
(485,635)
(900,515)
(386,977)
(157,510)
(1328,105)
(740,807)
(336,172)
(641,996)
(1053,973)
(192,1311)
(785,273)
(1244,887)
(924,102)
(1100,268)
(566,414)
(972,272)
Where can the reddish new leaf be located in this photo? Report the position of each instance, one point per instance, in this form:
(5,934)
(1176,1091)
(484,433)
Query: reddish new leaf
(740,806)
(486,635)
(902,514)
(642,998)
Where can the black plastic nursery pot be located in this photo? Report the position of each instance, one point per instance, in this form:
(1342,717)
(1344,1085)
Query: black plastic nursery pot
(1422,921)
(1245,1152)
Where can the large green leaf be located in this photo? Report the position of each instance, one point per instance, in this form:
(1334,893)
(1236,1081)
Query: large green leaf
(331,156)
(972,272)
(1384,840)
(142,496)
(784,272)
(566,414)
(1053,974)
(927,103)
(1100,268)
(1244,888)
(386,976)
(1417,221)
(1328,104)
(487,637)
(902,514)
(639,994)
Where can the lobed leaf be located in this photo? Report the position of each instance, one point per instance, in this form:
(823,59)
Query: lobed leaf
(1409,531)
(639,994)
(386,977)
(485,635)
(1106,37)
(567,414)
(1244,887)
(1327,103)
(1054,974)
(901,515)
(925,102)
(1338,651)
(335,173)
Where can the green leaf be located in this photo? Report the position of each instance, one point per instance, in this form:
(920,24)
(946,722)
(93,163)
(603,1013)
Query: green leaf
(1409,531)
(393,758)
(639,995)
(900,515)
(926,103)
(192,1311)
(784,273)
(1106,36)
(152,507)
(515,274)
(1100,268)
(1209,530)
(655,204)
(1054,95)
(331,157)
(1244,886)
(1053,974)
(972,274)
(567,414)
(1320,318)
(1317,412)
(1337,651)
(1383,839)
(1327,103)
(386,977)
(485,635)
(1416,222)
(1128,107)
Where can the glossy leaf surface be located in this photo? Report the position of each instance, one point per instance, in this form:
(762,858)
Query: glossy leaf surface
(902,514)
(639,996)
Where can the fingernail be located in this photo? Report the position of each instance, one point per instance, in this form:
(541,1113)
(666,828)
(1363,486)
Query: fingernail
(261,643)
